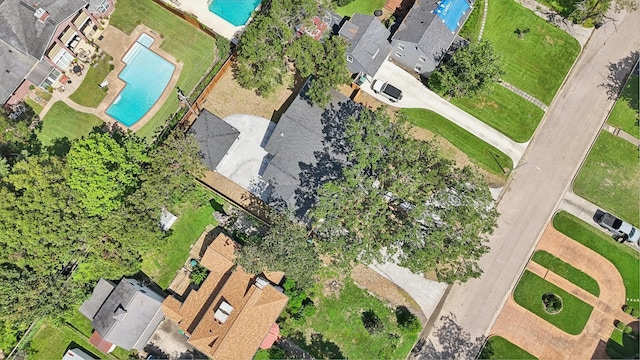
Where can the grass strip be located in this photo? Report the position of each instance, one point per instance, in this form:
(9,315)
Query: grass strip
(561,268)
(498,347)
(574,314)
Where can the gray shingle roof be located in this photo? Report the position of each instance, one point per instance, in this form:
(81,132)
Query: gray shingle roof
(127,314)
(421,26)
(22,30)
(14,66)
(39,72)
(100,293)
(308,149)
(215,137)
(368,43)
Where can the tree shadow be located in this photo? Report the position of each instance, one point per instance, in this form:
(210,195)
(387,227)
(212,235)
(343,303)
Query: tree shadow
(155,351)
(454,341)
(318,346)
(75,345)
(618,73)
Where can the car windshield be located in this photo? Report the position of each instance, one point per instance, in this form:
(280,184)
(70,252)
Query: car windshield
(632,232)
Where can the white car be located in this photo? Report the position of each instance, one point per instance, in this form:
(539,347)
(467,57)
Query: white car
(621,230)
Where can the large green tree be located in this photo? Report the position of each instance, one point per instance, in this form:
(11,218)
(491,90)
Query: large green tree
(400,200)
(103,170)
(470,71)
(286,247)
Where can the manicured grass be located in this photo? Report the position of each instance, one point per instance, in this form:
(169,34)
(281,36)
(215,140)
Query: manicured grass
(37,108)
(625,259)
(622,346)
(609,177)
(51,341)
(182,40)
(575,312)
(478,151)
(538,63)
(162,263)
(625,113)
(338,321)
(62,121)
(562,7)
(498,347)
(577,277)
(81,323)
(471,28)
(89,93)
(366,7)
(504,111)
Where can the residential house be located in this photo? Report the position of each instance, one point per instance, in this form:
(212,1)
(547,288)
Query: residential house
(39,40)
(368,43)
(232,313)
(427,32)
(124,315)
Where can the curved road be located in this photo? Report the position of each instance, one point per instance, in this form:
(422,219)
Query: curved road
(534,192)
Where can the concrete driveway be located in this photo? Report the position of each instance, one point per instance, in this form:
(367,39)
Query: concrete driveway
(416,95)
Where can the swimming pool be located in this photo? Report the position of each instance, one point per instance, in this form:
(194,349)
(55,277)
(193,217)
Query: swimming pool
(237,12)
(147,75)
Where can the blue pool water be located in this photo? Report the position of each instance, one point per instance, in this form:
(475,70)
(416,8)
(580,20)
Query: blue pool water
(237,12)
(147,75)
(451,11)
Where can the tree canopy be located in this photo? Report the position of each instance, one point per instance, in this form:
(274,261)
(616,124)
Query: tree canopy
(400,200)
(470,71)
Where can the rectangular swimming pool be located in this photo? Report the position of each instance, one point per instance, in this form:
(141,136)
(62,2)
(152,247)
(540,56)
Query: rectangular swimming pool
(236,12)
(146,75)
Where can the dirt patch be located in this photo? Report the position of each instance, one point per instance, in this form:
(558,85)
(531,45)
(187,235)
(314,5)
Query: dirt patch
(549,40)
(385,289)
(229,98)
(484,103)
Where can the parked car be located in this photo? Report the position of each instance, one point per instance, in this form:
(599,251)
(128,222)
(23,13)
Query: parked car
(621,230)
(387,90)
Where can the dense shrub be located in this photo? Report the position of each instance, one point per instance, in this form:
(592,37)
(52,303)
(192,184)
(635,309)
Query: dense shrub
(198,274)
(552,303)
(620,325)
(407,320)
(372,322)
(627,329)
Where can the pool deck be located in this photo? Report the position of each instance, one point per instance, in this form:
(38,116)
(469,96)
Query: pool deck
(200,9)
(116,43)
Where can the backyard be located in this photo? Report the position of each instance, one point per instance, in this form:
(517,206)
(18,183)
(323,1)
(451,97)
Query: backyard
(624,258)
(609,177)
(366,7)
(537,63)
(479,152)
(625,112)
(499,348)
(504,111)
(182,40)
(89,93)
(336,330)
(64,122)
(162,263)
(622,346)
(567,271)
(574,314)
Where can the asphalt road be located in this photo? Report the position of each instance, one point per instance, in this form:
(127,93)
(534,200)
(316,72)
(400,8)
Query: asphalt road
(535,190)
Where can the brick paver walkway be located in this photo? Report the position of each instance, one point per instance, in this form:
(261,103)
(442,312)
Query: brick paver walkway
(546,341)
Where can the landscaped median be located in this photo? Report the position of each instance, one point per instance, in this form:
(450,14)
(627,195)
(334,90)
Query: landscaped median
(571,318)
(182,40)
(609,177)
(562,269)
(624,258)
(498,347)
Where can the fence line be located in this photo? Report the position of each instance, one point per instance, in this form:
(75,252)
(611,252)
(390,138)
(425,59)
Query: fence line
(188,17)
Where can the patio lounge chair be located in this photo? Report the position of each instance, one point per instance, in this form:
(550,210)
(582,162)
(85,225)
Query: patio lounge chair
(104,84)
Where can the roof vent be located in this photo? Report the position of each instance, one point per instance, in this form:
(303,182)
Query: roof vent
(261,282)
(41,14)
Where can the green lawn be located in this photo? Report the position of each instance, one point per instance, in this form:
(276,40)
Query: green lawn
(161,264)
(538,63)
(577,277)
(504,111)
(624,258)
(51,341)
(37,108)
(625,113)
(562,7)
(89,93)
(622,346)
(575,312)
(478,151)
(341,333)
(609,177)
(62,121)
(182,40)
(498,348)
(366,7)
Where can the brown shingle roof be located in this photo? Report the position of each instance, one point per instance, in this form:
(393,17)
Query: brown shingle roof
(254,311)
